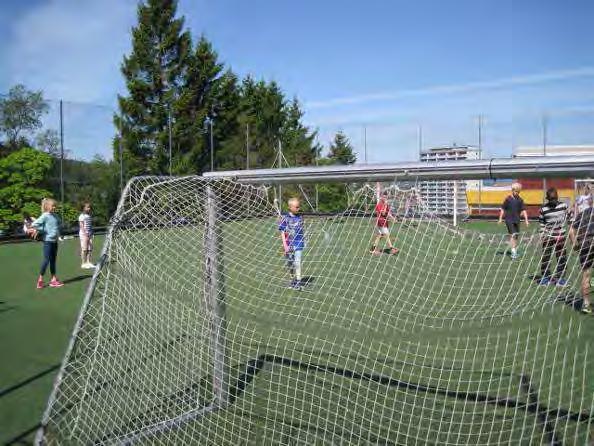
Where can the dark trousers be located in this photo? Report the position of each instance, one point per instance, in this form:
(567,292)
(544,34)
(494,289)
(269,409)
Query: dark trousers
(556,245)
(50,252)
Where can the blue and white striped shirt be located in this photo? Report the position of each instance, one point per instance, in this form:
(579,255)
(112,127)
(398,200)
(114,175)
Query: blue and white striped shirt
(85,224)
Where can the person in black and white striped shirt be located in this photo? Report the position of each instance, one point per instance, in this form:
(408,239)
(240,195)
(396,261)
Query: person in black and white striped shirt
(553,233)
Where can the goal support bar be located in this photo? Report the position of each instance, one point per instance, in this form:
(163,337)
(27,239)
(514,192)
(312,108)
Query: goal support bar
(529,167)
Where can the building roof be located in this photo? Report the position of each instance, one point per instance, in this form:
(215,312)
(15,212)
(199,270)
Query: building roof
(554,150)
(454,148)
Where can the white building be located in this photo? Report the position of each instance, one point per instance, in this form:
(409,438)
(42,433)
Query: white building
(439,195)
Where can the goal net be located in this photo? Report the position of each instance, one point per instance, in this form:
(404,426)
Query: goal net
(190,332)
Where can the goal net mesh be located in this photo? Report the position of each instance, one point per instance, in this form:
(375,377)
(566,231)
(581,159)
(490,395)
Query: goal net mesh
(190,334)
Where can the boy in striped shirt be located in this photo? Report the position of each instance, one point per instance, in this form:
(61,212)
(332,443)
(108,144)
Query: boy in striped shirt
(553,220)
(85,233)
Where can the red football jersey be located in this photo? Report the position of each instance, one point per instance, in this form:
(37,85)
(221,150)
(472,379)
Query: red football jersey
(382,210)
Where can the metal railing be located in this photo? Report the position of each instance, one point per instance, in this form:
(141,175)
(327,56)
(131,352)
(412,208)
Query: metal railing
(495,168)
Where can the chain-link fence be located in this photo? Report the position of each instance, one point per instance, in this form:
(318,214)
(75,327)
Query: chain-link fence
(87,163)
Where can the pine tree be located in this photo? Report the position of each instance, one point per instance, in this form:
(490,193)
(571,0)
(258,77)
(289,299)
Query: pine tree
(299,145)
(341,151)
(153,73)
(230,125)
(197,105)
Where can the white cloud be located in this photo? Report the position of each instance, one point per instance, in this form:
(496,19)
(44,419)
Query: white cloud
(513,81)
(71,49)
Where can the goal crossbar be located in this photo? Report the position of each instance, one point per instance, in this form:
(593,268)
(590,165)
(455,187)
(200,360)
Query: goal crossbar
(494,168)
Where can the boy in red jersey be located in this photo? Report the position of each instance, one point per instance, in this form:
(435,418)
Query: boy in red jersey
(383,213)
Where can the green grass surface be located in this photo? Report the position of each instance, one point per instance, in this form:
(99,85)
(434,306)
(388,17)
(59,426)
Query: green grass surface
(450,312)
(35,326)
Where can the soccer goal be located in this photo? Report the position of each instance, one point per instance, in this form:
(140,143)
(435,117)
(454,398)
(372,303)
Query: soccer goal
(192,333)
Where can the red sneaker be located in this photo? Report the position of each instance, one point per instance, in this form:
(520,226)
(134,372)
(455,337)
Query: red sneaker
(56,283)
(40,284)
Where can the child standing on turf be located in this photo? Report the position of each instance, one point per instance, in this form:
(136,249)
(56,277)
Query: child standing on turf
(513,210)
(293,238)
(48,225)
(383,213)
(85,234)
(553,219)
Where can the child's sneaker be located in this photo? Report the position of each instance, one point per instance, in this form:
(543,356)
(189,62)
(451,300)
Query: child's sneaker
(544,281)
(40,284)
(56,283)
(587,309)
(514,255)
(394,251)
(561,282)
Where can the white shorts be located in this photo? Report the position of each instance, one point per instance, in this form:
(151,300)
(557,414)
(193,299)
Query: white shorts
(382,230)
(86,242)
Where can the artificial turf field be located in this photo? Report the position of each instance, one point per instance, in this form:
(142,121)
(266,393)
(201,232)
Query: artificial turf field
(441,320)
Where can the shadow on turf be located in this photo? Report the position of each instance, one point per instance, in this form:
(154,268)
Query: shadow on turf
(77,278)
(307,280)
(571,299)
(6,309)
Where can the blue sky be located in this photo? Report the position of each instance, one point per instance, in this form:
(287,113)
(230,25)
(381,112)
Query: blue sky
(390,67)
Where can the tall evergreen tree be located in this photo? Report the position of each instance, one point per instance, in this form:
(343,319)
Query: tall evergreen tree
(341,150)
(230,125)
(264,104)
(299,145)
(153,73)
(197,105)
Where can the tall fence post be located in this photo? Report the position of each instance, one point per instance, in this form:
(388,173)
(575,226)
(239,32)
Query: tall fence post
(544,149)
(214,294)
(480,156)
(455,203)
(121,154)
(170,139)
(247,145)
(61,154)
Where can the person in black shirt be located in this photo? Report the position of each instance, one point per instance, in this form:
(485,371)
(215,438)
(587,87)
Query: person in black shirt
(513,209)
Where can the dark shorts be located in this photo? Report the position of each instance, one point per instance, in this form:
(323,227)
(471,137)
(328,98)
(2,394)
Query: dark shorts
(512,228)
(587,257)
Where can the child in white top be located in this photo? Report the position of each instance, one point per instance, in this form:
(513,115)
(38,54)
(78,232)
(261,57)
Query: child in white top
(85,233)
(584,200)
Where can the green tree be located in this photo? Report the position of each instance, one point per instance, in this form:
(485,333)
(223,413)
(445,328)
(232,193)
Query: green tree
(333,196)
(299,145)
(96,181)
(341,150)
(21,177)
(230,125)
(197,104)
(48,141)
(153,73)
(20,113)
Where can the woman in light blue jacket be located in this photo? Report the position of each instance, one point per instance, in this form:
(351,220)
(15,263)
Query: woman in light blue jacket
(48,225)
